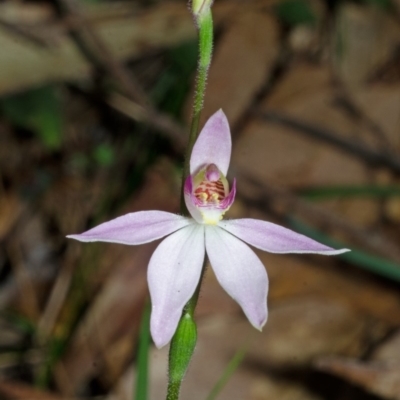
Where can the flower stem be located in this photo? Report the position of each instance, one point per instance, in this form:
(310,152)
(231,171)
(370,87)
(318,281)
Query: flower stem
(180,353)
(184,341)
(183,344)
(206,34)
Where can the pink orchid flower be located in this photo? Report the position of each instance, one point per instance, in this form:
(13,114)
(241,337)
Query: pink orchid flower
(175,266)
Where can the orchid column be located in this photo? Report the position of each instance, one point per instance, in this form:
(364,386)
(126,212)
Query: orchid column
(184,341)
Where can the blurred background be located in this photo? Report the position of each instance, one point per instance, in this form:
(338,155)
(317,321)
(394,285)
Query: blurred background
(95,100)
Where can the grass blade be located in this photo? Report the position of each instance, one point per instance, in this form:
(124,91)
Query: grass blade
(375,264)
(228,372)
(327,192)
(142,377)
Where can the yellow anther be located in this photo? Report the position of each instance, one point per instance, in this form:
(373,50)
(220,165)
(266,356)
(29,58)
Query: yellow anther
(214,197)
(203,196)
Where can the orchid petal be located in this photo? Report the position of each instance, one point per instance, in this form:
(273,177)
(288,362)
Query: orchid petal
(240,273)
(135,228)
(213,146)
(274,238)
(228,201)
(173,274)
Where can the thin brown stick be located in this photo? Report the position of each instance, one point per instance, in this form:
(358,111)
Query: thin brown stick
(26,33)
(94,48)
(26,288)
(58,294)
(137,112)
(355,148)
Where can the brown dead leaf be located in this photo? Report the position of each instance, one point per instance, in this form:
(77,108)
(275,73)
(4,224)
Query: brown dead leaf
(11,208)
(365,39)
(127,33)
(114,316)
(243,60)
(381,103)
(389,350)
(379,378)
(21,391)
(277,154)
(25,14)
(380,375)
(280,155)
(294,277)
(22,64)
(392,209)
(301,329)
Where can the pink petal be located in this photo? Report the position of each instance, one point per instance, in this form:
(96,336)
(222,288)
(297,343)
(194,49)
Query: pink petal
(228,200)
(240,273)
(135,228)
(173,275)
(213,146)
(274,238)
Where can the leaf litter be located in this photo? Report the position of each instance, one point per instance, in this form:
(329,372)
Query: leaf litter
(79,337)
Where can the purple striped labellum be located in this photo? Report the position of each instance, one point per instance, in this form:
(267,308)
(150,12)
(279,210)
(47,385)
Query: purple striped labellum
(208,192)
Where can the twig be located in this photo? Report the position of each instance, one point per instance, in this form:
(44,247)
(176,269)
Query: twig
(353,147)
(26,33)
(26,288)
(57,296)
(135,111)
(94,49)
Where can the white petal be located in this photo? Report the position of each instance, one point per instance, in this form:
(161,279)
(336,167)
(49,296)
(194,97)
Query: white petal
(275,238)
(214,145)
(240,272)
(173,274)
(135,228)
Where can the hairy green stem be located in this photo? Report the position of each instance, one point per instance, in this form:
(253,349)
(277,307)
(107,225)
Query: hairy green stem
(206,34)
(184,341)
(183,344)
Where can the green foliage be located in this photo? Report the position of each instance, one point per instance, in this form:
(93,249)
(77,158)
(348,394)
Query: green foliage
(38,110)
(171,90)
(104,155)
(296,12)
(55,349)
(142,378)
(369,262)
(227,374)
(19,322)
(369,191)
(385,5)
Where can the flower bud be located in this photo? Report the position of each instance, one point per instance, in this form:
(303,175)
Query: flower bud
(182,348)
(201,7)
